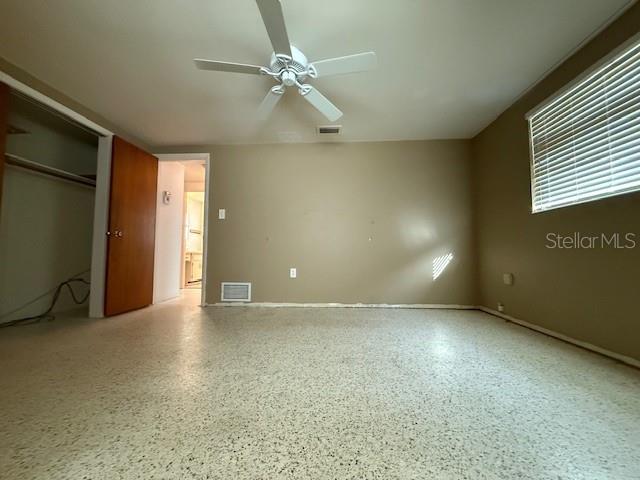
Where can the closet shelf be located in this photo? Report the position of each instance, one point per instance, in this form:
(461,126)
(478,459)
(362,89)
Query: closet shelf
(21,162)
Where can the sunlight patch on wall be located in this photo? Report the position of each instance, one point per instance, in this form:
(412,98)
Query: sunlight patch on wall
(440,263)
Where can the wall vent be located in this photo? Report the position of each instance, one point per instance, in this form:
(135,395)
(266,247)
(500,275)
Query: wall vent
(235,292)
(325,130)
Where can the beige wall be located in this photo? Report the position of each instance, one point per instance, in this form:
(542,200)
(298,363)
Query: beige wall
(45,238)
(590,295)
(362,222)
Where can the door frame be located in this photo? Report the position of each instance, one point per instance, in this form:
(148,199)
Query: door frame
(206,158)
(103,177)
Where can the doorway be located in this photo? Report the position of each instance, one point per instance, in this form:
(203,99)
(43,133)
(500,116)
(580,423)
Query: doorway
(181,227)
(192,242)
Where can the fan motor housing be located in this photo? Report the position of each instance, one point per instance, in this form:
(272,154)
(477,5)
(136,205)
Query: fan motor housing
(298,64)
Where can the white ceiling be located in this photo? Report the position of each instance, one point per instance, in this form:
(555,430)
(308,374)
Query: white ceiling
(447,68)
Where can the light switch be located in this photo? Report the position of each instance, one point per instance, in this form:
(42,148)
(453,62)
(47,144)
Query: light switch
(222,214)
(507,278)
(293,272)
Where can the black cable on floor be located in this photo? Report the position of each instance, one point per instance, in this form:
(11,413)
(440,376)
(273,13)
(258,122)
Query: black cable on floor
(47,315)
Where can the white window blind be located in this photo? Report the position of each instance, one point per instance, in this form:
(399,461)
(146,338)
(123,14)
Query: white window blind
(585,142)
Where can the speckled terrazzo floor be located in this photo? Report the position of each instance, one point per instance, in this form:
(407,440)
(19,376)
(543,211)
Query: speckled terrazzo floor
(255,393)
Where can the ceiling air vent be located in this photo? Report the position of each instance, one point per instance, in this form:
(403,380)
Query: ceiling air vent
(236,292)
(329,130)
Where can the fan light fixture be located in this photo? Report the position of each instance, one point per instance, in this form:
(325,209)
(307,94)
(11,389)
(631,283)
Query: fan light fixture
(289,67)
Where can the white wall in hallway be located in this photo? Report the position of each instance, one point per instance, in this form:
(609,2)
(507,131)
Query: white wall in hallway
(168,252)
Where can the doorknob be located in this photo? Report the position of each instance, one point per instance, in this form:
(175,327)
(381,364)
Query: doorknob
(115,233)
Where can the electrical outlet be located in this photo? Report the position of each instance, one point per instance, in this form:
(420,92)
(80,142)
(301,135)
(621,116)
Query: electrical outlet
(293,272)
(500,307)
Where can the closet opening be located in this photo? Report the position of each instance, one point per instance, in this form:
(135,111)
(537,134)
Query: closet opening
(47,213)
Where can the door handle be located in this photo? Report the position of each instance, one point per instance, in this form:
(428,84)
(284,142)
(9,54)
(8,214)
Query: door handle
(115,233)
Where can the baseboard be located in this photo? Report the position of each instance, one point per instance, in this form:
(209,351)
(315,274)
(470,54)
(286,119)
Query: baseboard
(344,305)
(168,299)
(579,343)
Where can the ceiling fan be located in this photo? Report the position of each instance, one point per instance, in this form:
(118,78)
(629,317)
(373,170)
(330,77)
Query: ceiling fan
(290,67)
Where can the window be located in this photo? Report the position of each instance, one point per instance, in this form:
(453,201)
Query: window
(585,141)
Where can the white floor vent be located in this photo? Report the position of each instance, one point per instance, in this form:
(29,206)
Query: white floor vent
(236,292)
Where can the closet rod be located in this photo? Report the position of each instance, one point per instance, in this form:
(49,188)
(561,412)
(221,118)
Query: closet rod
(20,162)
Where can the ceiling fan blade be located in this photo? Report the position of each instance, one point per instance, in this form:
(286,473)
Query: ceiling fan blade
(349,64)
(269,102)
(273,18)
(321,103)
(226,66)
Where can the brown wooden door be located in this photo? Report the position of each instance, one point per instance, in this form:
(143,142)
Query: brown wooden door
(132,226)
